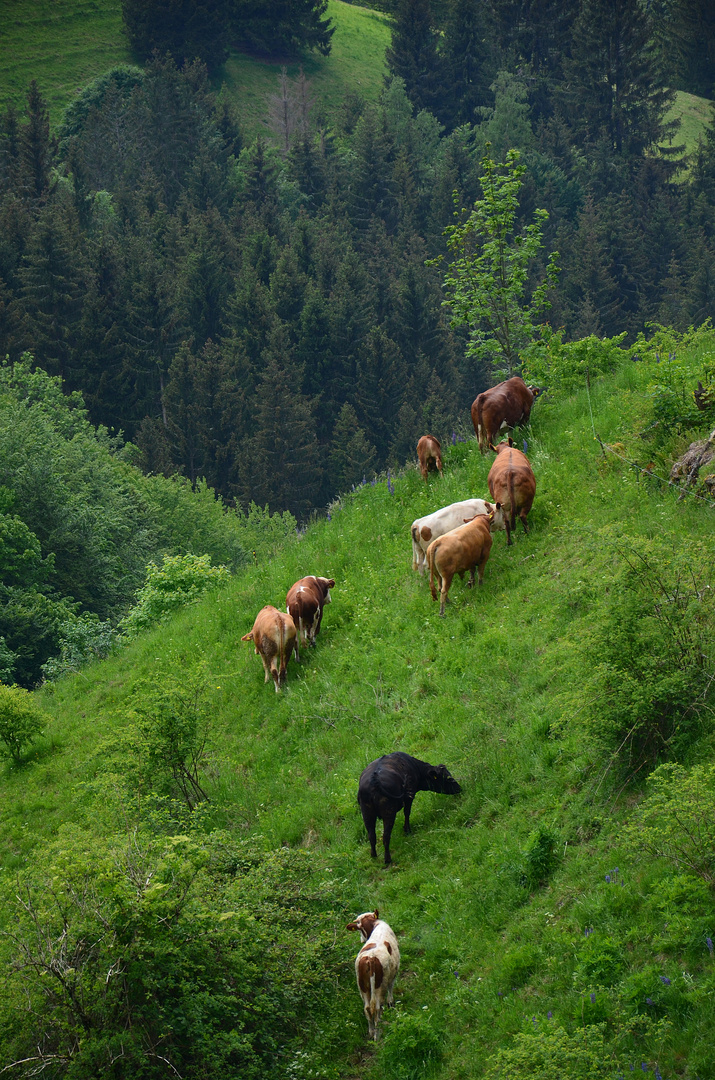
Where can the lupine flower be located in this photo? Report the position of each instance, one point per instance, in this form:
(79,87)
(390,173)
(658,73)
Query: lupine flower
(709,943)
(454,438)
(657,1074)
(526,445)
(608,878)
(649,1001)
(593,999)
(549,1014)
(499,993)
(644,1066)
(329,516)
(665,980)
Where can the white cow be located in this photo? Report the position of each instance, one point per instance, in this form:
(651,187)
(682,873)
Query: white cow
(376,966)
(426,529)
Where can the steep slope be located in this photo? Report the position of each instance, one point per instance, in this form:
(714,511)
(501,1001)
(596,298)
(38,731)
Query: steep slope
(506,901)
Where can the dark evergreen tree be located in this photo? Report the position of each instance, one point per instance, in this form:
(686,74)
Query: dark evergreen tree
(413,53)
(187,29)
(281,465)
(34,147)
(469,63)
(351,457)
(283,27)
(615,90)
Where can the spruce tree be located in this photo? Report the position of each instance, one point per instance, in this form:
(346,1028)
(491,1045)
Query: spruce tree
(468,63)
(413,53)
(187,29)
(283,27)
(615,88)
(351,456)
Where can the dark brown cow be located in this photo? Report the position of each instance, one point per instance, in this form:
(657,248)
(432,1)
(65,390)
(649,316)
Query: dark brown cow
(390,784)
(511,480)
(304,604)
(273,635)
(429,454)
(462,549)
(505,405)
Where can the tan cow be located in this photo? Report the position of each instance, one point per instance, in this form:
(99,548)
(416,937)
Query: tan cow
(429,455)
(376,966)
(511,480)
(304,604)
(504,405)
(466,548)
(426,529)
(273,635)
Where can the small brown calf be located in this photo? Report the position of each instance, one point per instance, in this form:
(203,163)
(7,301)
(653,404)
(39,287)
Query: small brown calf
(466,548)
(429,455)
(273,635)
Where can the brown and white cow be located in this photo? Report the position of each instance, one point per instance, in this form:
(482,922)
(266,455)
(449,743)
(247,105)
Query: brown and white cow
(429,455)
(304,603)
(376,966)
(511,480)
(273,635)
(504,405)
(426,529)
(466,548)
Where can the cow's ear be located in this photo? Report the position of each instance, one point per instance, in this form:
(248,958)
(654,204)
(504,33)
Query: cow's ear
(376,913)
(488,505)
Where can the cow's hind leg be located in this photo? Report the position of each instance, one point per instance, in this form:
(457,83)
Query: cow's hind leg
(446,582)
(369,816)
(388,821)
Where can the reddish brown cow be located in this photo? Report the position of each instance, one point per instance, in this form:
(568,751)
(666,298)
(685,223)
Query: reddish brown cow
(429,454)
(466,548)
(505,405)
(273,635)
(304,604)
(376,965)
(511,480)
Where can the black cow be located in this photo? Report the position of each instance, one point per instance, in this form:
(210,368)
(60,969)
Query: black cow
(390,784)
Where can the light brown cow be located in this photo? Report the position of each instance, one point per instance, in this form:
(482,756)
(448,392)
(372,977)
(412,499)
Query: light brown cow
(504,405)
(426,529)
(429,455)
(273,635)
(511,480)
(304,604)
(465,548)
(376,966)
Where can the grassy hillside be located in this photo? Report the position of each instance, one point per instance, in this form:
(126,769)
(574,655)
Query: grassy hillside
(510,912)
(64,44)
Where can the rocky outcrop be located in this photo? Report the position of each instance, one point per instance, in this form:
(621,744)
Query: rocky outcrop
(696,464)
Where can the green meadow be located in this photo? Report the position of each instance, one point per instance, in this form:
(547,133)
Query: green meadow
(528,917)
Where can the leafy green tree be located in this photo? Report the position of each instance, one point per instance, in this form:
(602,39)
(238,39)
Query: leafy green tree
(180,580)
(21,720)
(486,281)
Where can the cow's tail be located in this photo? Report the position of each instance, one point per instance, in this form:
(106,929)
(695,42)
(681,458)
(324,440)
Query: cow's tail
(415,547)
(430,555)
(282,654)
(512,499)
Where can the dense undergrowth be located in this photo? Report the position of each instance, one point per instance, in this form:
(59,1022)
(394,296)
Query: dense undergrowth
(552,919)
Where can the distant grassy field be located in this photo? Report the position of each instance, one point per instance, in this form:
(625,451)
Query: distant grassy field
(63,44)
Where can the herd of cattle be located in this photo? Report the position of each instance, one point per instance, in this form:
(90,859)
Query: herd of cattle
(453,540)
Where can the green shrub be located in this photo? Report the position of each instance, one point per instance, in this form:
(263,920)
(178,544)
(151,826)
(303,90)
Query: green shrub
(21,721)
(552,1052)
(82,640)
(599,962)
(567,366)
(645,651)
(150,957)
(180,580)
(541,857)
(677,820)
(412,1048)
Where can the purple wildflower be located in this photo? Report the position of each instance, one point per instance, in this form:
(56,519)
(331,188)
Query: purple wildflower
(709,943)
(526,446)
(499,992)
(454,438)
(329,516)
(665,980)
(657,1074)
(593,999)
(644,1066)
(549,1014)
(649,1001)
(608,878)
